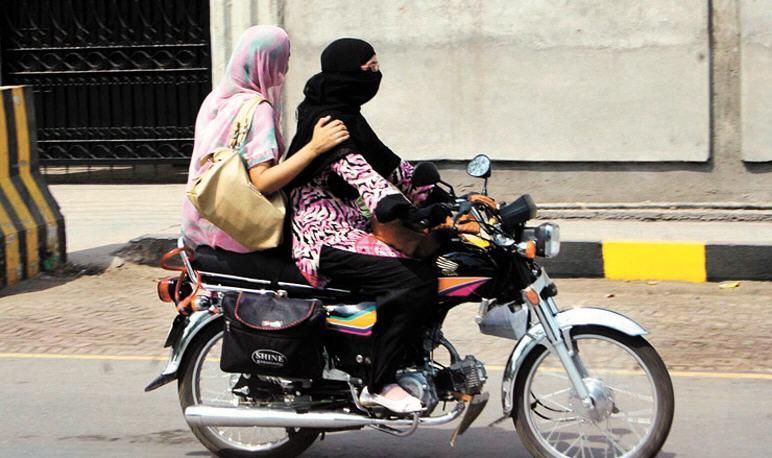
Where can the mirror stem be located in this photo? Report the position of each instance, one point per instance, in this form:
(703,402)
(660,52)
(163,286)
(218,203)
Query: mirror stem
(485,187)
(450,188)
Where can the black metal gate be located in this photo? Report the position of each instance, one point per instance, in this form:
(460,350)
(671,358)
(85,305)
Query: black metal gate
(116,81)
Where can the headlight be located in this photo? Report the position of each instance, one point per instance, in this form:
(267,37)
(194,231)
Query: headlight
(547,240)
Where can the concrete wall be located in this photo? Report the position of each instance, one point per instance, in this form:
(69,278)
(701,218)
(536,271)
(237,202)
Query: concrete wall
(525,80)
(630,101)
(756,42)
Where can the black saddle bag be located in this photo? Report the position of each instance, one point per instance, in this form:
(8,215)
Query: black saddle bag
(270,335)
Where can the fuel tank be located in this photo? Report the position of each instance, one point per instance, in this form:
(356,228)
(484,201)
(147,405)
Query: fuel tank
(465,274)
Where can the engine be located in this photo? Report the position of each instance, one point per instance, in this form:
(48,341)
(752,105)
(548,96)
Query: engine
(420,384)
(465,377)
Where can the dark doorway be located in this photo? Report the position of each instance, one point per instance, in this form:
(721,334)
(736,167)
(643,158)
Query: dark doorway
(116,82)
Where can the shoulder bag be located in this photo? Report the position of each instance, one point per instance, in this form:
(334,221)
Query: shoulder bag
(224,194)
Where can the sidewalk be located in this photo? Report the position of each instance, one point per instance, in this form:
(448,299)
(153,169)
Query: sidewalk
(101,219)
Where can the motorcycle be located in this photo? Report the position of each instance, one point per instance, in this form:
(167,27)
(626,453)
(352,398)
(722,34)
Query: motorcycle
(578,382)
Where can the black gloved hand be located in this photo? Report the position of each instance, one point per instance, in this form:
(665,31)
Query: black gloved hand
(426,217)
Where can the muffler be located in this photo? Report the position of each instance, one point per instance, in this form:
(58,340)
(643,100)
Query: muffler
(246,417)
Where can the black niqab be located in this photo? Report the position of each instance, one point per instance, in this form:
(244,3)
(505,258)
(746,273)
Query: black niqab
(340,90)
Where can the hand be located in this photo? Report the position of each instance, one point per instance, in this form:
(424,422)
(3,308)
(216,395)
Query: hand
(426,217)
(485,200)
(446,225)
(468,225)
(327,134)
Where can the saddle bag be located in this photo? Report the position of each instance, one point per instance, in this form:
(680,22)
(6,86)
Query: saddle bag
(272,335)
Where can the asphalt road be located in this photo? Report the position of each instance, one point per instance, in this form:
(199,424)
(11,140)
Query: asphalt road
(96,407)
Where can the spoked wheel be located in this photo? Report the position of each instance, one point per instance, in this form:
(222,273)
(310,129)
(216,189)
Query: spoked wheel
(631,391)
(203,383)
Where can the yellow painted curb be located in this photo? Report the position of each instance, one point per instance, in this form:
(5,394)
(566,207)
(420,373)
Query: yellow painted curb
(32,235)
(661,260)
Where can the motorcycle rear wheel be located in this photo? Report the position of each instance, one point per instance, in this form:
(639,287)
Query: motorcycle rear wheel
(290,442)
(551,425)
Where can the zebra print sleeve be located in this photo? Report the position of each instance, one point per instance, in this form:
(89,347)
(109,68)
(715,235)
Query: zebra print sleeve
(372,187)
(402,177)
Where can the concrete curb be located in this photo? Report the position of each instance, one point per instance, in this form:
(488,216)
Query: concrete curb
(147,249)
(662,260)
(615,260)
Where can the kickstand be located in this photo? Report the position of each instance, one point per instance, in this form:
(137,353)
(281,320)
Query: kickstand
(498,420)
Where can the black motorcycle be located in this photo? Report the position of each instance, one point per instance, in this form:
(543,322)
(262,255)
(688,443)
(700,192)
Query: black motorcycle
(579,381)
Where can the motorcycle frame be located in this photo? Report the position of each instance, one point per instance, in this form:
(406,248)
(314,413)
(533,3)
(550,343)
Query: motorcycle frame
(552,331)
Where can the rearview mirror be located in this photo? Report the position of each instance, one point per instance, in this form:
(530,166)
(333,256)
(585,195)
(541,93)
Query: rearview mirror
(479,167)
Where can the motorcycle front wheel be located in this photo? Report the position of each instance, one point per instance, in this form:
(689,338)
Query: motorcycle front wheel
(632,398)
(203,383)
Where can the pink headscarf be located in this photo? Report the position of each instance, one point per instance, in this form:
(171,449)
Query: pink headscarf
(257,67)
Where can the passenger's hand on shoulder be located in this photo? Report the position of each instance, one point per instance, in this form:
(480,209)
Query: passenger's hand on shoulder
(328,133)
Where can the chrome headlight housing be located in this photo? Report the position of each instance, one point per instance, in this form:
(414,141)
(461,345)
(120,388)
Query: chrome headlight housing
(547,237)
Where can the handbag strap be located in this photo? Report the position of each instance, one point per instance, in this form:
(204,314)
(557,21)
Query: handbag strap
(243,122)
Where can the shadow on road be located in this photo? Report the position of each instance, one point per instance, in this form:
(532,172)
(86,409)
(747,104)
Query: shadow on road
(91,261)
(477,441)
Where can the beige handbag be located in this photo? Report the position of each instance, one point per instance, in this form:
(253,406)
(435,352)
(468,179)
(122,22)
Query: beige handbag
(224,194)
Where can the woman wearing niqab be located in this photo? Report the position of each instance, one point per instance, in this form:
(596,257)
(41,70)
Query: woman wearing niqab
(333,201)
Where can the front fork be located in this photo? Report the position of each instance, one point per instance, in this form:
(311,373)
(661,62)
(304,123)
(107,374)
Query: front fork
(559,340)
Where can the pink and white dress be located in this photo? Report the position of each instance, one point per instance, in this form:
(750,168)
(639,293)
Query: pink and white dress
(256,68)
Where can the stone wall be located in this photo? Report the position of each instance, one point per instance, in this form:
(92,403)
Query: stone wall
(576,100)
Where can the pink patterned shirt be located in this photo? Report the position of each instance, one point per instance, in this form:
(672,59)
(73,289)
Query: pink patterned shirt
(261,146)
(320,218)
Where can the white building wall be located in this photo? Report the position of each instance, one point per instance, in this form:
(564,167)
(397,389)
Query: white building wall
(531,80)
(756,82)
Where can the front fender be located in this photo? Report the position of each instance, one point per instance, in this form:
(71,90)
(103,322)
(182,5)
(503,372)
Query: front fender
(196,322)
(566,320)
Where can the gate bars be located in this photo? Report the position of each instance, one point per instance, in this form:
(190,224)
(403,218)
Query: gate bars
(31,226)
(116,82)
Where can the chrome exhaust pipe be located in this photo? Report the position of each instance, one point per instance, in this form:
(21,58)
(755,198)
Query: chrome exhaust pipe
(245,417)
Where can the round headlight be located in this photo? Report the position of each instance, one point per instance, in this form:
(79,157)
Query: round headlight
(547,240)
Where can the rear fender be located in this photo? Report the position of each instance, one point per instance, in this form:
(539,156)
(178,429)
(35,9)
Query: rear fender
(196,323)
(566,320)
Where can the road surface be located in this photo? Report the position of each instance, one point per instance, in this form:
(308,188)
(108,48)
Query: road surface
(96,408)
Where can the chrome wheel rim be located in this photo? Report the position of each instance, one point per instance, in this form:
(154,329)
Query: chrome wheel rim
(626,395)
(212,387)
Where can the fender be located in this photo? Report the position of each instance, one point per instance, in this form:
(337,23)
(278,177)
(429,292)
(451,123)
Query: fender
(566,320)
(196,323)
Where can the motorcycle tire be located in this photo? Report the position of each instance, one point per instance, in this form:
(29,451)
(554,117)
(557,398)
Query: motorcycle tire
(298,439)
(648,356)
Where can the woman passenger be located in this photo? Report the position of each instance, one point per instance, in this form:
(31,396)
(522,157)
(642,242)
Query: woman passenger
(256,68)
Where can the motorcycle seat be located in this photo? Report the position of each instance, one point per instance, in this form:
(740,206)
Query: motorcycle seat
(263,265)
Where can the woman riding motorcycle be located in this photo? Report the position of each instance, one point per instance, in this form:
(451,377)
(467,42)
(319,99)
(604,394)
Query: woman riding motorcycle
(334,199)
(256,68)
